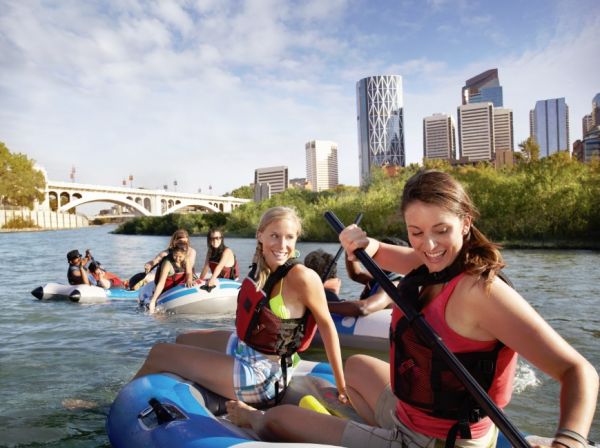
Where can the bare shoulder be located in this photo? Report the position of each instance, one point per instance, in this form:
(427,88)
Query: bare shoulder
(300,274)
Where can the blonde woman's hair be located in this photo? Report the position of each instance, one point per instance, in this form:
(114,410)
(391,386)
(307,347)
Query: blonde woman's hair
(271,215)
(178,234)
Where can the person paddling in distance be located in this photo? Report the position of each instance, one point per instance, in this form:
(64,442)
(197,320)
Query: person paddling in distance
(220,259)
(220,360)
(171,272)
(180,236)
(452,274)
(77,273)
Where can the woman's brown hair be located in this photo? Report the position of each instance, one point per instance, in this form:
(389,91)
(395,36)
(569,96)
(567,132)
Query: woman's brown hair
(479,256)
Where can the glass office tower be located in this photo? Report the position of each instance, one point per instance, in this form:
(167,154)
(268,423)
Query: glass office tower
(550,125)
(483,88)
(380,123)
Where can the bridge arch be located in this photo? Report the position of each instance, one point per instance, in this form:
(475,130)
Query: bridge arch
(180,205)
(120,201)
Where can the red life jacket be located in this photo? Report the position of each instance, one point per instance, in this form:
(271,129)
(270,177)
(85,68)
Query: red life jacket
(421,378)
(178,278)
(260,328)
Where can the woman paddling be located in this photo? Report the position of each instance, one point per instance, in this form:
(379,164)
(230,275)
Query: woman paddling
(414,401)
(170,273)
(226,362)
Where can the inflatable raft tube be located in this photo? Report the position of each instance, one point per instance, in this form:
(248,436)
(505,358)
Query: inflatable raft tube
(163,410)
(195,300)
(81,293)
(370,333)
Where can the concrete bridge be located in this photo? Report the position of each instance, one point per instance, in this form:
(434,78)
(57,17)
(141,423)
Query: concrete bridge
(64,196)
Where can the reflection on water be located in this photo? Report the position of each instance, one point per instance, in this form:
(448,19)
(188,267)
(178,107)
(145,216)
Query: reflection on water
(62,364)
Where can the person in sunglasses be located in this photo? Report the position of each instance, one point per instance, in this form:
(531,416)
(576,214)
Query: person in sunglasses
(220,259)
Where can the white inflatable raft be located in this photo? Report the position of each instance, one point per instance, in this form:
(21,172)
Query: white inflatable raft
(82,293)
(369,332)
(194,300)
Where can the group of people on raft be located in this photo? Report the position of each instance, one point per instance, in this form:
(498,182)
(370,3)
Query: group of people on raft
(452,275)
(174,266)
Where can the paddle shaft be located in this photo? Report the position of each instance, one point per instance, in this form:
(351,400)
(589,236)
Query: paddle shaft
(357,221)
(436,344)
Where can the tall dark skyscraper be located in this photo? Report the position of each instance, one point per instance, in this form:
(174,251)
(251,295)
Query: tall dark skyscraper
(380,123)
(482,88)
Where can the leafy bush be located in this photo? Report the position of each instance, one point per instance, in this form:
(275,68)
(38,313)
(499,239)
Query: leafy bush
(20,223)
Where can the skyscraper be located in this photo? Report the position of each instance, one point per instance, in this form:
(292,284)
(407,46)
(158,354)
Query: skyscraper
(482,88)
(321,164)
(550,125)
(587,124)
(269,181)
(596,111)
(503,129)
(439,141)
(476,131)
(380,123)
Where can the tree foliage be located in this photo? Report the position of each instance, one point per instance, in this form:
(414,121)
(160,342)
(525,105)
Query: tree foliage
(243,192)
(551,199)
(20,183)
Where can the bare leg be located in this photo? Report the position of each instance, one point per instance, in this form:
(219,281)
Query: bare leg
(288,423)
(366,379)
(210,368)
(211,339)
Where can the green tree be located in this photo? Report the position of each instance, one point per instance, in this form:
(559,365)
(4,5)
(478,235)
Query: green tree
(530,150)
(243,192)
(20,183)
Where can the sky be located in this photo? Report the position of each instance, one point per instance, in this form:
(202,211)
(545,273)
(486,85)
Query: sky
(202,92)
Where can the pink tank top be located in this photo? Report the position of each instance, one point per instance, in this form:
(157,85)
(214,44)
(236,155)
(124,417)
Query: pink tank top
(500,391)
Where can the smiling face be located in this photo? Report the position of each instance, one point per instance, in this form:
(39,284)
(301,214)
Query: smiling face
(278,240)
(215,239)
(178,257)
(435,233)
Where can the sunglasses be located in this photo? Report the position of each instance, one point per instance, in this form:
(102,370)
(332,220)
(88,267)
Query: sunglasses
(216,238)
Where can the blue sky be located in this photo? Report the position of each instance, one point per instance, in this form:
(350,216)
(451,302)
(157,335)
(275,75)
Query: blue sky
(204,91)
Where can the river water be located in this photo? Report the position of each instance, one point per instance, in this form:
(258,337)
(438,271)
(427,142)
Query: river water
(62,364)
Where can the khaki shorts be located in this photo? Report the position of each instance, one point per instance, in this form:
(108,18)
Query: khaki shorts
(391,433)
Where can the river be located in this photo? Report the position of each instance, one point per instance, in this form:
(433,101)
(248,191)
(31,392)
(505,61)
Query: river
(62,364)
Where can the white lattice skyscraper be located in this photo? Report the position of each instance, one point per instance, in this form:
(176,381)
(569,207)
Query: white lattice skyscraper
(380,123)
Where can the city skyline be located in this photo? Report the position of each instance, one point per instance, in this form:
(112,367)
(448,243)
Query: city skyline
(119,89)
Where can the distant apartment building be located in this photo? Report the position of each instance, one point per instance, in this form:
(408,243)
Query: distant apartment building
(299,182)
(577,153)
(587,124)
(591,145)
(503,129)
(476,132)
(483,88)
(549,123)
(321,164)
(269,181)
(380,123)
(439,139)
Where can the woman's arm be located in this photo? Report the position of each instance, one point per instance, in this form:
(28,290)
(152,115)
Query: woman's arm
(506,316)
(149,265)
(378,301)
(307,285)
(158,289)
(205,268)
(225,261)
(190,261)
(356,272)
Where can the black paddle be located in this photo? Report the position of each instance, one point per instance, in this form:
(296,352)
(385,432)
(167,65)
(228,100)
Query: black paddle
(357,221)
(436,344)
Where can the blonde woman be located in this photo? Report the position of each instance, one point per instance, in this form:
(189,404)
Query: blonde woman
(238,371)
